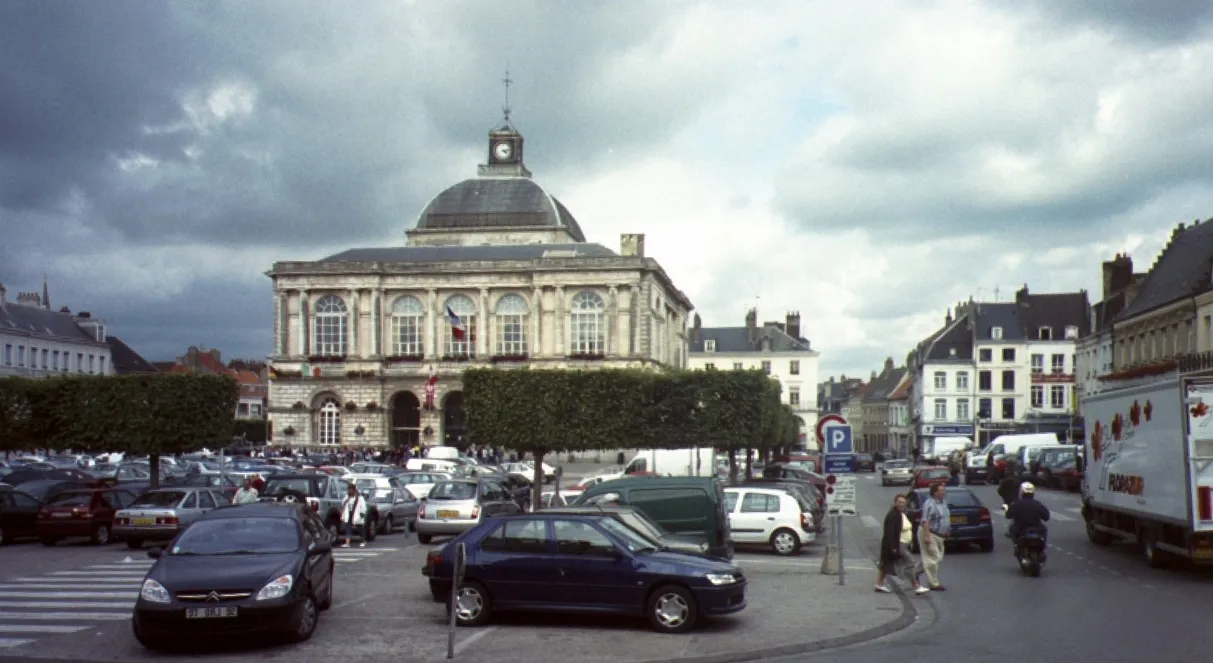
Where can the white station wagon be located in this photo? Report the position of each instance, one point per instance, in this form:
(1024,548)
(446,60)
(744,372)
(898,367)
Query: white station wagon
(769,517)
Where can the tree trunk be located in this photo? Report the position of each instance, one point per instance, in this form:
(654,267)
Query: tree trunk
(537,478)
(732,465)
(153,463)
(749,464)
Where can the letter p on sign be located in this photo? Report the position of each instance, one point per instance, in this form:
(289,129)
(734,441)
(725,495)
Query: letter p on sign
(838,440)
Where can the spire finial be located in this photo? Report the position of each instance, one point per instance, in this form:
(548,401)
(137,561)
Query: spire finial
(508,82)
(46,292)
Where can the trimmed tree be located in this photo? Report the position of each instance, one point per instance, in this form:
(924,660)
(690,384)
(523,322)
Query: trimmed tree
(16,414)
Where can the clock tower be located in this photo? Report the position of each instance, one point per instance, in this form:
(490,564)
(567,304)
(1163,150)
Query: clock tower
(505,145)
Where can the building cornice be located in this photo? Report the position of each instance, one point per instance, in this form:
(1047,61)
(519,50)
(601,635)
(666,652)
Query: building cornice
(791,354)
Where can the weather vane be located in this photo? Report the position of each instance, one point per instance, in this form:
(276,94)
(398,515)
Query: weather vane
(508,81)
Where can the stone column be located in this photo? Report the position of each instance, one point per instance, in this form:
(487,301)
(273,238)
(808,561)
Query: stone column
(279,326)
(484,326)
(377,322)
(624,336)
(304,337)
(535,344)
(355,317)
(432,342)
(612,322)
(559,328)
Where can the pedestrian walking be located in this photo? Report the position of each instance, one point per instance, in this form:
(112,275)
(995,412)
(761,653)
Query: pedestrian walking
(353,514)
(247,494)
(895,555)
(932,532)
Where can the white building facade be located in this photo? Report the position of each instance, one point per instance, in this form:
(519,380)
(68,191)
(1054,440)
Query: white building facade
(38,342)
(942,377)
(774,347)
(496,273)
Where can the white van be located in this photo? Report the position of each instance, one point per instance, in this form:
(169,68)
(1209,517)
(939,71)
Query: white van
(674,462)
(942,447)
(440,452)
(1007,447)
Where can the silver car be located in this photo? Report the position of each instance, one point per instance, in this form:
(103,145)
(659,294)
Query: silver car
(455,506)
(159,515)
(896,472)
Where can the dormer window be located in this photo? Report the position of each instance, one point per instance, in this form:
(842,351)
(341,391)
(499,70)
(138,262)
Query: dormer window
(709,345)
(1071,333)
(1045,333)
(996,333)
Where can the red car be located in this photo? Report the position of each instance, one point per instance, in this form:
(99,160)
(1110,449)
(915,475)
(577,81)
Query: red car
(925,477)
(85,513)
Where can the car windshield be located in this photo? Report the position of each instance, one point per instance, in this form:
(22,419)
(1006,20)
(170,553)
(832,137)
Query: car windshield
(962,499)
(234,536)
(160,500)
(936,474)
(72,499)
(645,527)
(305,485)
(453,490)
(807,465)
(897,463)
(630,538)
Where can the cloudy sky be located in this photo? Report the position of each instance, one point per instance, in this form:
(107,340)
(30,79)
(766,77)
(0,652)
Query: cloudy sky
(866,163)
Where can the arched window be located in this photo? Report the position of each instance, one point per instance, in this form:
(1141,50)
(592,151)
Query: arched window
(588,321)
(328,422)
(408,321)
(332,327)
(465,309)
(511,315)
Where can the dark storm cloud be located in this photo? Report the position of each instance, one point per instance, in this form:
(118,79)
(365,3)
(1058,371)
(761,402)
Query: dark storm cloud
(1162,21)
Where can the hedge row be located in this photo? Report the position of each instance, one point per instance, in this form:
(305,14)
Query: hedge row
(136,414)
(545,411)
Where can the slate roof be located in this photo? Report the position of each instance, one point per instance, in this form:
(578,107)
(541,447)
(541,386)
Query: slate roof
(493,202)
(902,392)
(471,253)
(125,360)
(733,340)
(1005,315)
(880,388)
(1055,311)
(1182,270)
(42,323)
(955,336)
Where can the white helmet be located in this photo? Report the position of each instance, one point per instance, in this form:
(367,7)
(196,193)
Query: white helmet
(1026,488)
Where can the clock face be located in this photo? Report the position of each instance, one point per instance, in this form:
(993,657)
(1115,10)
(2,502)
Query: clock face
(503,151)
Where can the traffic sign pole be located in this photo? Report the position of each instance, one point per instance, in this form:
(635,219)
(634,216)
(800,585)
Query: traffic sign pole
(842,568)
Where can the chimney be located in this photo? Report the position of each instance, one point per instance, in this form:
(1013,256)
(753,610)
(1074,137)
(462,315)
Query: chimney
(947,320)
(888,366)
(3,294)
(793,328)
(697,330)
(873,375)
(1117,274)
(751,325)
(631,245)
(64,309)
(29,299)
(1021,295)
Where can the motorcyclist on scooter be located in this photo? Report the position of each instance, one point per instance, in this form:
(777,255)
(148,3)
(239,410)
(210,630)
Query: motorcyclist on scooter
(1028,514)
(1009,488)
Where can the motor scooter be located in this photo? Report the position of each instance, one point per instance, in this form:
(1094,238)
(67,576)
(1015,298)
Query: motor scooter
(1030,551)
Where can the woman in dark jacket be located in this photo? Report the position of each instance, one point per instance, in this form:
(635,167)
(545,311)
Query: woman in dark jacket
(895,555)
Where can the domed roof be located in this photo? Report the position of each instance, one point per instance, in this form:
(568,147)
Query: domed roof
(497,203)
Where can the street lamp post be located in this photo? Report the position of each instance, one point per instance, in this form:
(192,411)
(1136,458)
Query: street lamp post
(1035,415)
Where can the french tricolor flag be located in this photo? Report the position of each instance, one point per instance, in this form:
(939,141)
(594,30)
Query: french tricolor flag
(458,331)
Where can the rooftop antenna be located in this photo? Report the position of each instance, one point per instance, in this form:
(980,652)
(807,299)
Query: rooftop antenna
(996,291)
(508,82)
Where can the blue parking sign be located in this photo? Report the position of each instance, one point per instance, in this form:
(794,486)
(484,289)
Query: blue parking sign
(840,464)
(839,440)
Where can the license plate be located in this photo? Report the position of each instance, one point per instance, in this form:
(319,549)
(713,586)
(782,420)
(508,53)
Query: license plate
(210,613)
(145,521)
(447,513)
(959,520)
(1202,553)
(60,514)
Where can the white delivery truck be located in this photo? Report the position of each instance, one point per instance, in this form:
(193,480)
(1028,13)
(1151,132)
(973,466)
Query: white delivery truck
(942,447)
(674,462)
(1148,475)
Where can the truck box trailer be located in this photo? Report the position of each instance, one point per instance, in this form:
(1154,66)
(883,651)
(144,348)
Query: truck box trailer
(1147,475)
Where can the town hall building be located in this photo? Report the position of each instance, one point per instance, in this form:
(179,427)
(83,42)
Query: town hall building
(370,343)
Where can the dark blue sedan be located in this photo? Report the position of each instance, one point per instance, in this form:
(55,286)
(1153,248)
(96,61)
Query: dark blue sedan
(581,563)
(971,522)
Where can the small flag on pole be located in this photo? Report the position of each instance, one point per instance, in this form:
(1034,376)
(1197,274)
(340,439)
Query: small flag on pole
(458,331)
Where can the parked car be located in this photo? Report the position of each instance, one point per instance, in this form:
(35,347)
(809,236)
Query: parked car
(549,498)
(420,483)
(159,515)
(45,490)
(395,505)
(1060,471)
(324,494)
(896,472)
(924,477)
(25,475)
(606,568)
(18,514)
(223,483)
(255,568)
(791,471)
(801,488)
(863,463)
(642,524)
(690,506)
(455,506)
(88,513)
(769,517)
(971,522)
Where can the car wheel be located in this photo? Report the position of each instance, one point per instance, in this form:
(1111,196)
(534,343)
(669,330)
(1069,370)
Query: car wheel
(49,540)
(5,539)
(305,619)
(884,483)
(472,605)
(368,528)
(424,538)
(388,525)
(327,602)
(134,544)
(987,545)
(672,609)
(101,535)
(785,542)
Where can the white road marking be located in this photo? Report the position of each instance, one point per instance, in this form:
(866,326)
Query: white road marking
(809,563)
(58,586)
(102,581)
(1063,518)
(356,553)
(1074,509)
(126,567)
(66,595)
(50,616)
(869,521)
(93,605)
(347,560)
(39,628)
(100,573)
(472,639)
(13,642)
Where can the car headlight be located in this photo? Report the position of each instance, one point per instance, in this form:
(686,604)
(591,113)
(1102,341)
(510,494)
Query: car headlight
(721,578)
(703,547)
(154,592)
(277,588)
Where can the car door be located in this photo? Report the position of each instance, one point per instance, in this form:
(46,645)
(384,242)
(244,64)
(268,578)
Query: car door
(494,499)
(517,563)
(21,513)
(187,510)
(757,515)
(592,572)
(206,502)
(319,567)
